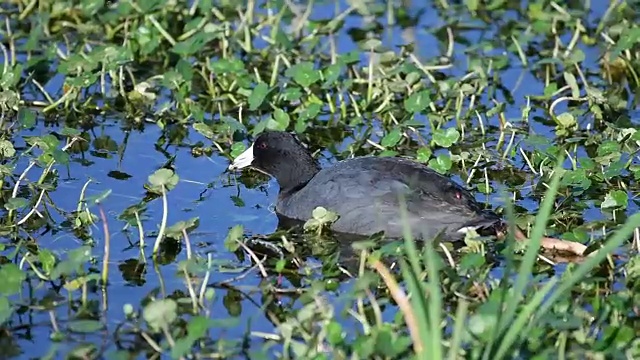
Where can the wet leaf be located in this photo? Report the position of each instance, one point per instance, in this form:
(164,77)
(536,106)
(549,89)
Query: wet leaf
(423,154)
(12,278)
(304,73)
(615,199)
(16,203)
(6,149)
(417,102)
(164,178)
(204,130)
(27,118)
(6,310)
(566,120)
(442,163)
(85,326)
(258,95)
(234,235)
(98,198)
(392,138)
(446,138)
(282,119)
(160,313)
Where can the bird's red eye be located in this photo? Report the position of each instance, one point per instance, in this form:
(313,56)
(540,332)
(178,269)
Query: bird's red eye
(262,145)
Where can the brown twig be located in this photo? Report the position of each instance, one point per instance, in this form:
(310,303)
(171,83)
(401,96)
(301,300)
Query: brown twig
(555,244)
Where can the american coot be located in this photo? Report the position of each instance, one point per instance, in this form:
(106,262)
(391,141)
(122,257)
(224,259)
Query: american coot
(365,192)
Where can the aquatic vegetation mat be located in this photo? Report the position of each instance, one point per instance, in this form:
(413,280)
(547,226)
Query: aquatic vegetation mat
(124,235)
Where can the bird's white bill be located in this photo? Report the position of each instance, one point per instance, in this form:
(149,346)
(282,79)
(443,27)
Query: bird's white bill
(243,160)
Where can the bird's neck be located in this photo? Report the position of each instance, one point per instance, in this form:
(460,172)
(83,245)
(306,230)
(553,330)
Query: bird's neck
(299,174)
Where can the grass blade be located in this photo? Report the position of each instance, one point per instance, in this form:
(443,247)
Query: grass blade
(533,247)
(434,302)
(418,305)
(515,330)
(459,322)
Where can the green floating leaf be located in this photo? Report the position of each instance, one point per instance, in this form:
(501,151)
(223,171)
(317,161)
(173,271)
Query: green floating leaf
(615,199)
(160,313)
(83,351)
(91,7)
(237,149)
(258,95)
(311,111)
(204,130)
(26,118)
(331,75)
(235,233)
(291,94)
(193,44)
(423,154)
(446,138)
(12,278)
(182,347)
(8,81)
(320,217)
(16,203)
(6,310)
(163,177)
(85,326)
(282,119)
(628,38)
(566,120)
(304,73)
(198,326)
(335,333)
(442,163)
(177,230)
(99,198)
(228,66)
(6,149)
(418,101)
(70,132)
(47,260)
(392,138)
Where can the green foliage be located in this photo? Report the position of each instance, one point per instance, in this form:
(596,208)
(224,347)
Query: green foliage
(117,120)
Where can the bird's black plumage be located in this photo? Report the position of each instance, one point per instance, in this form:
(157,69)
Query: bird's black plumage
(366,192)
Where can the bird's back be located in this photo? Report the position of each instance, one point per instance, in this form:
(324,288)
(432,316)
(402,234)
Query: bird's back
(366,192)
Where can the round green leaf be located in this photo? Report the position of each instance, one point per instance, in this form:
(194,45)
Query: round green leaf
(12,278)
(258,95)
(446,138)
(85,326)
(163,177)
(423,154)
(417,101)
(392,138)
(160,313)
(6,149)
(441,164)
(15,203)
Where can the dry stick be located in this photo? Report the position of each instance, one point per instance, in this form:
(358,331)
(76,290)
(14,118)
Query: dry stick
(187,243)
(555,244)
(254,257)
(403,303)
